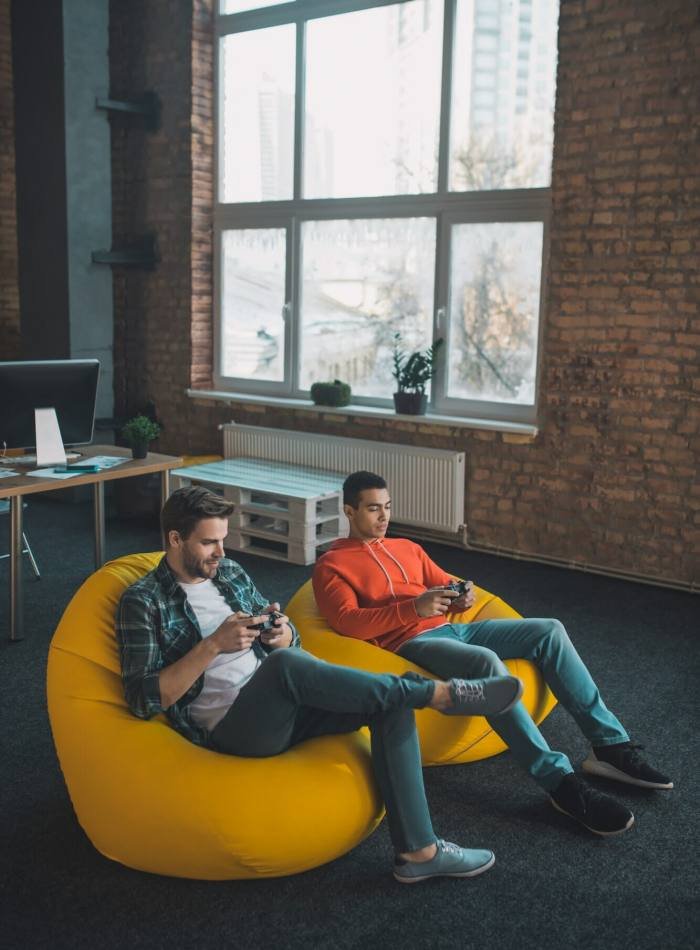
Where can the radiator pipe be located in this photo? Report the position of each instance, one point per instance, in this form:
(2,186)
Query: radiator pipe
(461,541)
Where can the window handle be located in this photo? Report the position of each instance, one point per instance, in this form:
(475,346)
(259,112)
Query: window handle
(440,315)
(286,311)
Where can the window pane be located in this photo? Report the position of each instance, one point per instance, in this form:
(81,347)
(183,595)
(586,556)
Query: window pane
(373,101)
(503,86)
(494,311)
(361,282)
(257,115)
(252,325)
(238,6)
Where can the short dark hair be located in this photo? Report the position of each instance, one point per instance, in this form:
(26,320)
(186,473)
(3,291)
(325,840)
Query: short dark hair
(356,483)
(187,506)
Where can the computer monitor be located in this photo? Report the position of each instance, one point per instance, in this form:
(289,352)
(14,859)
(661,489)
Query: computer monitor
(68,386)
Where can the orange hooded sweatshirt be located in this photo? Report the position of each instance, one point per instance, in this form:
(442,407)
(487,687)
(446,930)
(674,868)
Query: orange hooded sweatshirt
(367,589)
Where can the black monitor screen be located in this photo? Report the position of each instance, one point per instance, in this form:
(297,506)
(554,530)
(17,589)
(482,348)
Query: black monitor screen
(68,386)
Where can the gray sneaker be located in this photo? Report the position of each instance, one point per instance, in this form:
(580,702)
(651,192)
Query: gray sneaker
(487,697)
(449,861)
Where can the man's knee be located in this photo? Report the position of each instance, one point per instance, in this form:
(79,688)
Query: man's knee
(554,637)
(490,663)
(557,631)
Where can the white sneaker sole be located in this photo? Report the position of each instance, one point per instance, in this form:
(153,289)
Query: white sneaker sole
(596,831)
(604,769)
(426,877)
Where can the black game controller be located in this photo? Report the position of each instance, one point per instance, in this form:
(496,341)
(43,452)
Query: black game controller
(266,624)
(460,587)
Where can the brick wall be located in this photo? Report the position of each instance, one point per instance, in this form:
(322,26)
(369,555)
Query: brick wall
(9,290)
(150,50)
(202,141)
(611,479)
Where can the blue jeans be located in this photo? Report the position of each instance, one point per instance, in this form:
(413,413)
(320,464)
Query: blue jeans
(293,696)
(476,650)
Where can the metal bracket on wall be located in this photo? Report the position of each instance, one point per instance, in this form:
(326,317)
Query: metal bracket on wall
(142,253)
(147,105)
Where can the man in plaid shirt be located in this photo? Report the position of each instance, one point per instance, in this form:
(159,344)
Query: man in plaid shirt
(199,642)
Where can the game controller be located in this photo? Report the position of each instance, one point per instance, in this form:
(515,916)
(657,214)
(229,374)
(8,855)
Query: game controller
(460,587)
(268,624)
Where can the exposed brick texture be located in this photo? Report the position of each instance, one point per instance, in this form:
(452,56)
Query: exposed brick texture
(202,131)
(611,480)
(152,174)
(9,289)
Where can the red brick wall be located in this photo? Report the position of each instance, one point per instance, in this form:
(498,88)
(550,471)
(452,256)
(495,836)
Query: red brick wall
(9,290)
(611,479)
(152,174)
(202,140)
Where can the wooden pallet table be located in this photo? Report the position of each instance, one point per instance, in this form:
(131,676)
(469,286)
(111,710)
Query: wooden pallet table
(282,511)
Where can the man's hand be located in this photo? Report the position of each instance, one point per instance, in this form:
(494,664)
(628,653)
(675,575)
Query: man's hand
(434,602)
(280,634)
(236,633)
(465,601)
(232,636)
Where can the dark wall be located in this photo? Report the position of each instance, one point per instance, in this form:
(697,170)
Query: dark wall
(37,56)
(9,293)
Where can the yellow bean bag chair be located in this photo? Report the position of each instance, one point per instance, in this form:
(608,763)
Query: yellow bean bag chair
(149,798)
(444,740)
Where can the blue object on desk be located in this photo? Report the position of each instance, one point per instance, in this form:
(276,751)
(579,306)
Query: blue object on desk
(77,468)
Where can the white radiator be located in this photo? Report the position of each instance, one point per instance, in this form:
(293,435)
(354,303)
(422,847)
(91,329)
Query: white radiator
(427,485)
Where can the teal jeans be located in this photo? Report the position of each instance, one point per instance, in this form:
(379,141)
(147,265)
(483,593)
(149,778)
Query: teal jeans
(293,696)
(476,650)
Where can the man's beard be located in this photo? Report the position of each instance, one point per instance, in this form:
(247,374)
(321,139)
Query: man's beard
(196,568)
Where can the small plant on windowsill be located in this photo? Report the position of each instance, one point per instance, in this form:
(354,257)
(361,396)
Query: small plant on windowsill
(138,432)
(412,374)
(334,393)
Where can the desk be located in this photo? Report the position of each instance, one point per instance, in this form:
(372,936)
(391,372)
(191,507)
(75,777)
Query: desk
(16,487)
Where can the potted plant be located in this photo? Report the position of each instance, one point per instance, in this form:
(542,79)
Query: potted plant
(138,432)
(336,393)
(412,373)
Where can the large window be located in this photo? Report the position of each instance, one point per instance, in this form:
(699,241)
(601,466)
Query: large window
(384,167)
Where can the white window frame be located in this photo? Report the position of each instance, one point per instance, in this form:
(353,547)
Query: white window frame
(447,208)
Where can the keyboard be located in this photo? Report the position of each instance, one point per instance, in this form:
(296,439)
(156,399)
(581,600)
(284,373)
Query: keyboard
(31,459)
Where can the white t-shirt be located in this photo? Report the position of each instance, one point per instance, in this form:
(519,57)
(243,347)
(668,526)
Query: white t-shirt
(228,673)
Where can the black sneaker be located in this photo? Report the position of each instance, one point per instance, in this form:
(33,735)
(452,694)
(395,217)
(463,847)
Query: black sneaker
(600,813)
(623,763)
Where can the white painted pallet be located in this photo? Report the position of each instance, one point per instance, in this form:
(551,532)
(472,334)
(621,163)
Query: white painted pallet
(282,511)
(318,530)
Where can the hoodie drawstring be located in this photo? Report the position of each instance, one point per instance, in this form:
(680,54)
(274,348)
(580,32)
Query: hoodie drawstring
(386,573)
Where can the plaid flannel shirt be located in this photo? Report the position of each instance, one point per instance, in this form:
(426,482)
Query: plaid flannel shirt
(155,626)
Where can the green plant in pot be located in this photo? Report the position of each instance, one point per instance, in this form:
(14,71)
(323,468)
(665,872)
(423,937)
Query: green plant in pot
(412,373)
(336,393)
(138,432)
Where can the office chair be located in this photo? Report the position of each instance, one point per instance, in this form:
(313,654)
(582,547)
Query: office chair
(4,509)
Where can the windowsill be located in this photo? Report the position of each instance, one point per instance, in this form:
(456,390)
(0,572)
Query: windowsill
(526,431)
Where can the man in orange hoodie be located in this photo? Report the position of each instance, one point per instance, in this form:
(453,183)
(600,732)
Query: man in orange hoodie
(388,592)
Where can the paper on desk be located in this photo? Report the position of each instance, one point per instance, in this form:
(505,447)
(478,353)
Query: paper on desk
(106,461)
(50,473)
(8,473)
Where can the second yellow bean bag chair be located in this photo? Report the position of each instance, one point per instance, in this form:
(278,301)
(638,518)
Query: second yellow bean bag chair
(444,739)
(149,798)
